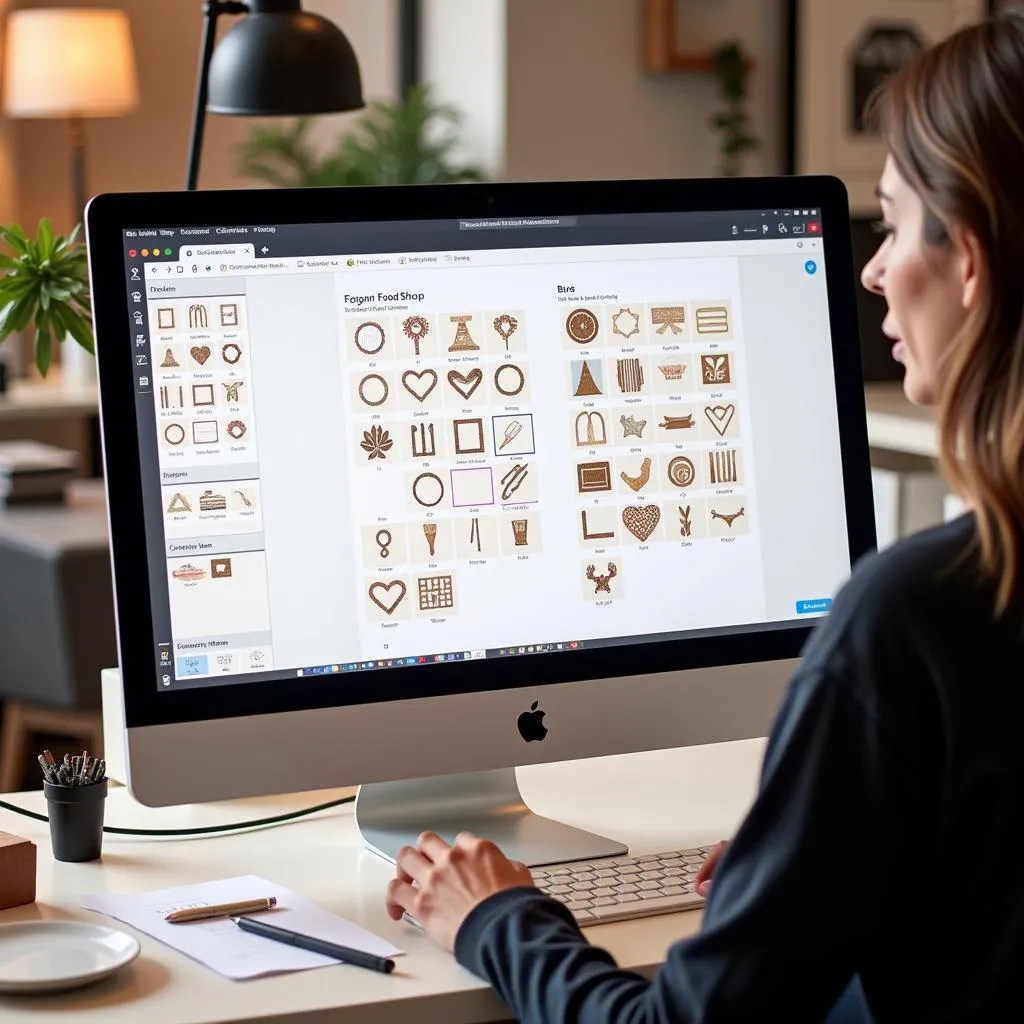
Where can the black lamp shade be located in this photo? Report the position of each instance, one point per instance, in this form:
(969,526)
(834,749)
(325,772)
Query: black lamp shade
(284,62)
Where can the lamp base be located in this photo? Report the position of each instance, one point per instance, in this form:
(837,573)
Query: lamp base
(76,140)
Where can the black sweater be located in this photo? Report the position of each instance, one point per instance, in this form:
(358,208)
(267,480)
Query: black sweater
(886,840)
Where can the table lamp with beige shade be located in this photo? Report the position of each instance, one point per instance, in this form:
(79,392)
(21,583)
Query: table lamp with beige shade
(70,63)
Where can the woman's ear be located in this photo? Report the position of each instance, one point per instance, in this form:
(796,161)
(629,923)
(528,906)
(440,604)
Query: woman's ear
(972,267)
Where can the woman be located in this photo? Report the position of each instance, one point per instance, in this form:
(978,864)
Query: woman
(887,838)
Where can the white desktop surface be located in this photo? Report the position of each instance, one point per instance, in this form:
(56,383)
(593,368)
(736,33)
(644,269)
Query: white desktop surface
(654,801)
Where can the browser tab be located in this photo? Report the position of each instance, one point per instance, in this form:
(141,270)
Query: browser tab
(244,250)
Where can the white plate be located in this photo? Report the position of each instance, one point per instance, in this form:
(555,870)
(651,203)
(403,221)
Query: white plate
(50,956)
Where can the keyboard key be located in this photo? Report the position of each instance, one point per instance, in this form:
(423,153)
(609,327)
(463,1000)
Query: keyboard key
(660,905)
(618,888)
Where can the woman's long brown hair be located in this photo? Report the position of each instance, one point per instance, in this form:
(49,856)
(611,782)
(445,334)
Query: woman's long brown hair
(953,122)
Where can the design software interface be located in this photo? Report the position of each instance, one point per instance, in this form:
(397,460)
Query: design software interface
(374,445)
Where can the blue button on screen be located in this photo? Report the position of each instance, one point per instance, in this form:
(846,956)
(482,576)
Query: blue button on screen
(811,267)
(822,604)
(193,665)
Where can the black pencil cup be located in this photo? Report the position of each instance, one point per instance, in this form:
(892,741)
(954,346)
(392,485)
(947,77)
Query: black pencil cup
(76,820)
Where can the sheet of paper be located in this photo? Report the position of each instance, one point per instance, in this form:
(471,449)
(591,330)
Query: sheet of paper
(222,945)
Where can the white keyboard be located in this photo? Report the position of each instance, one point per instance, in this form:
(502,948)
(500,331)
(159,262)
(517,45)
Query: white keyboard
(620,888)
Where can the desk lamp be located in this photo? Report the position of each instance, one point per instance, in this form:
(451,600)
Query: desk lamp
(70,63)
(280,60)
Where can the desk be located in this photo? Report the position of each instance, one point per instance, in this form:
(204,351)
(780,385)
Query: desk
(895,425)
(55,412)
(626,797)
(48,399)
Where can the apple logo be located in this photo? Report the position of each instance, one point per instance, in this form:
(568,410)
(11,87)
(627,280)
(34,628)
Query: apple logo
(531,724)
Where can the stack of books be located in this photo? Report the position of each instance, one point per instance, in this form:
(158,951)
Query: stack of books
(31,472)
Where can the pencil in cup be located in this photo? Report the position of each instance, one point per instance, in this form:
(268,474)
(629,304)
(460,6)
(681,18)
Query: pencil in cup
(189,914)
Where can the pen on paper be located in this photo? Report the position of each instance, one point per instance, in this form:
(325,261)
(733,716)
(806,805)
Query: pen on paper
(355,957)
(221,910)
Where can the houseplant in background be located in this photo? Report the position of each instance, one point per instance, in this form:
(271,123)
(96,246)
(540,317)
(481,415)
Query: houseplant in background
(44,285)
(407,142)
(732,70)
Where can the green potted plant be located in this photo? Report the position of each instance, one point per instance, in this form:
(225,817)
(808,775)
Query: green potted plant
(44,284)
(732,70)
(408,142)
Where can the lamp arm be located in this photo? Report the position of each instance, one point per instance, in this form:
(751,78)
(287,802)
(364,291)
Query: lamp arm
(212,10)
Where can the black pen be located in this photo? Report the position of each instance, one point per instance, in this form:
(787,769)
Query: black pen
(349,956)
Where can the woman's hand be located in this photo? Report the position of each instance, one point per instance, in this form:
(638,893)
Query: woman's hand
(440,884)
(707,869)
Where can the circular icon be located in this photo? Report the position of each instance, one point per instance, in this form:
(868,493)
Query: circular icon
(520,380)
(367,334)
(581,326)
(428,489)
(384,540)
(811,267)
(236,428)
(231,353)
(382,384)
(681,471)
(174,433)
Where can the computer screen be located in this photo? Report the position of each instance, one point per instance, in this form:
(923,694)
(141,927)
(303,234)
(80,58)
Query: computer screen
(373,445)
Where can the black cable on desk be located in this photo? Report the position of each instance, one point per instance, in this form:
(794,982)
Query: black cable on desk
(278,819)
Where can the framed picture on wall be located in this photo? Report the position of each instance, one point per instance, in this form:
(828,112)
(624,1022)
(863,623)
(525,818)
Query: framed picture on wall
(840,51)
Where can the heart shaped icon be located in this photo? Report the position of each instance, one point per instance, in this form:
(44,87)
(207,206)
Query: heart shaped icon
(641,520)
(380,594)
(200,353)
(466,383)
(720,416)
(419,384)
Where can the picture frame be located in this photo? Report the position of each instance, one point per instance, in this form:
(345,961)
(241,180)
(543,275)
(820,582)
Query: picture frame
(868,40)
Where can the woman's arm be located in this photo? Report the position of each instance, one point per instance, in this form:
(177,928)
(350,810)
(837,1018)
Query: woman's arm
(795,900)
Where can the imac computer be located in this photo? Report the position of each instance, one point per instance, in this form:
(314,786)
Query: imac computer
(410,486)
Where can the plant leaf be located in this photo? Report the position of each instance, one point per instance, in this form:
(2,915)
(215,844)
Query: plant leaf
(44,349)
(76,326)
(44,240)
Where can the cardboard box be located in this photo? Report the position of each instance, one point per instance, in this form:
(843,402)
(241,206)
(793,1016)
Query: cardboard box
(17,871)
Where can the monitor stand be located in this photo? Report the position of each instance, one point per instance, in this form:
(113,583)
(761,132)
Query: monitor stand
(390,815)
